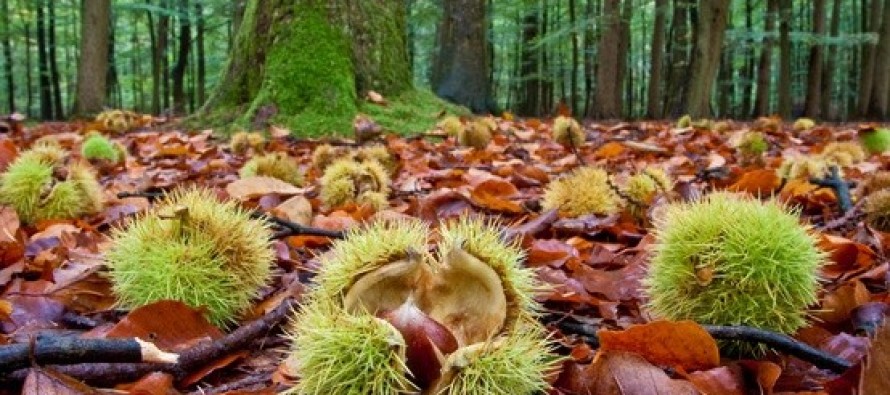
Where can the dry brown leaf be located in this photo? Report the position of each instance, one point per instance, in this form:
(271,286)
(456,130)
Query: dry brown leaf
(837,305)
(610,150)
(757,182)
(626,373)
(171,325)
(875,378)
(44,381)
(296,209)
(682,344)
(254,187)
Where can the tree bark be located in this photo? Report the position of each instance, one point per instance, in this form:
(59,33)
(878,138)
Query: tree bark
(179,69)
(93,61)
(712,19)
(607,96)
(877,108)
(830,61)
(761,101)
(679,58)
(58,110)
(575,60)
(305,63)
(814,76)
(656,56)
(7,55)
(46,89)
(202,61)
(785,58)
(869,58)
(529,103)
(461,69)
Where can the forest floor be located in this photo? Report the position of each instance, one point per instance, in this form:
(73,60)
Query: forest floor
(53,281)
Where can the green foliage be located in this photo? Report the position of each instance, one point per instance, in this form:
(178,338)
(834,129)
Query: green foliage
(413,111)
(194,249)
(729,260)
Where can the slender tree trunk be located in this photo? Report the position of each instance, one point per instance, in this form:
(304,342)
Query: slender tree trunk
(761,102)
(589,58)
(7,54)
(869,58)
(656,56)
(181,65)
(750,73)
(202,59)
(114,91)
(164,33)
(711,26)
(830,63)
(530,70)
(29,95)
(461,71)
(93,61)
(877,108)
(155,64)
(575,59)
(814,76)
(785,59)
(679,58)
(607,99)
(625,74)
(46,90)
(58,111)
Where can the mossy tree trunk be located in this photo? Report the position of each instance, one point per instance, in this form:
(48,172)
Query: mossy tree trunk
(306,64)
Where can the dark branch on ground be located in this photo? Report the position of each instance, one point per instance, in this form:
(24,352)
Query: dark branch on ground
(777,341)
(840,187)
(294,229)
(69,350)
(108,374)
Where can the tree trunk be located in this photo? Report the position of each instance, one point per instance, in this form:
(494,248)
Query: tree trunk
(607,96)
(814,76)
(29,94)
(461,68)
(179,68)
(679,58)
(529,103)
(877,108)
(785,59)
(114,92)
(828,74)
(656,56)
(750,73)
(711,26)
(589,58)
(7,55)
(761,102)
(869,58)
(305,63)
(625,76)
(575,60)
(46,89)
(93,61)
(58,111)
(202,61)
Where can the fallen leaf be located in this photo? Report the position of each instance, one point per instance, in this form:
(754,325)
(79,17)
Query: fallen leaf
(626,373)
(45,381)
(875,377)
(296,209)
(254,187)
(682,344)
(171,325)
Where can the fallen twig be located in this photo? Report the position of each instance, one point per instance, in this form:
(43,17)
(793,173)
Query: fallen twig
(777,341)
(107,374)
(68,350)
(295,229)
(839,185)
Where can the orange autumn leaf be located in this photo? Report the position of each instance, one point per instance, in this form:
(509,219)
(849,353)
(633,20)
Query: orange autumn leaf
(797,188)
(837,305)
(679,344)
(610,150)
(757,182)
